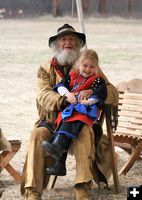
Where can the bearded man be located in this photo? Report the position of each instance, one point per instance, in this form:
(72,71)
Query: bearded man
(66,46)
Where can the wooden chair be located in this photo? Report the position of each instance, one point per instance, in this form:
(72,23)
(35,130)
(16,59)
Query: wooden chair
(129,130)
(105,116)
(5,158)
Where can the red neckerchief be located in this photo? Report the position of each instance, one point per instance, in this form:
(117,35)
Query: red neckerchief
(59,68)
(83,83)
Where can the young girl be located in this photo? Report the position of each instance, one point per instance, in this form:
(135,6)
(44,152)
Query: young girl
(78,112)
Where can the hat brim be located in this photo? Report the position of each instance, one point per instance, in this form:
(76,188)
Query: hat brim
(81,36)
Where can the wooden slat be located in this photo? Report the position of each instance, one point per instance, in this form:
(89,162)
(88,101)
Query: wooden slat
(130,125)
(121,96)
(130,119)
(131,101)
(130,107)
(133,95)
(137,133)
(130,114)
(127,95)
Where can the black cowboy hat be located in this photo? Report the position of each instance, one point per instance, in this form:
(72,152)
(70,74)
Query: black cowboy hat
(67,29)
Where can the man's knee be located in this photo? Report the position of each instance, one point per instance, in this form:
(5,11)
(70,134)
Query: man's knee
(41,133)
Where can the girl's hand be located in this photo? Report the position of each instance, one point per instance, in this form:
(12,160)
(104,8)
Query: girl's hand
(70,97)
(84,94)
(85,102)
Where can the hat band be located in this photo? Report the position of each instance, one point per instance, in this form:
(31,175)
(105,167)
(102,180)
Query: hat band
(66,29)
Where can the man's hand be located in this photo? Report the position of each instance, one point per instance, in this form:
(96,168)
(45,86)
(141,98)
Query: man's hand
(84,94)
(70,97)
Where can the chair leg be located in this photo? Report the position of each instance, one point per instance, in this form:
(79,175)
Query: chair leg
(5,158)
(4,163)
(113,165)
(16,175)
(134,156)
(52,182)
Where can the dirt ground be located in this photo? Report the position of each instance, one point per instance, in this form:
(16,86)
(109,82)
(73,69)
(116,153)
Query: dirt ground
(23,46)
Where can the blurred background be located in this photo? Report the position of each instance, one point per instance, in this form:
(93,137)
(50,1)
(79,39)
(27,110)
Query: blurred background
(26,8)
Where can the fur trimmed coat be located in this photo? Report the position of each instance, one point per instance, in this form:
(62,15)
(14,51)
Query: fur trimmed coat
(47,78)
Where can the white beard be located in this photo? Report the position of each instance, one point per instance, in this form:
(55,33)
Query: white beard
(65,57)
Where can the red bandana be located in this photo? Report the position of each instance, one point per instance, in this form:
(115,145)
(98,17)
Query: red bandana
(81,82)
(57,67)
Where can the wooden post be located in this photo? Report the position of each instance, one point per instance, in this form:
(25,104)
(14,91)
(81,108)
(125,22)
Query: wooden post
(129,6)
(80,16)
(72,9)
(102,5)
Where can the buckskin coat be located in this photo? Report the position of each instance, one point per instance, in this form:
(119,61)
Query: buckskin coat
(48,104)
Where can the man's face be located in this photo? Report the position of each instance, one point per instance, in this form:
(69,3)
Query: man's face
(67,49)
(67,42)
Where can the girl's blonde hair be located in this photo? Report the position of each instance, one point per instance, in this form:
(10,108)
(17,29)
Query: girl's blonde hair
(87,54)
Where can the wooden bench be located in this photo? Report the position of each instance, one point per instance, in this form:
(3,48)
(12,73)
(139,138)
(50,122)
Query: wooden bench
(129,130)
(5,158)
